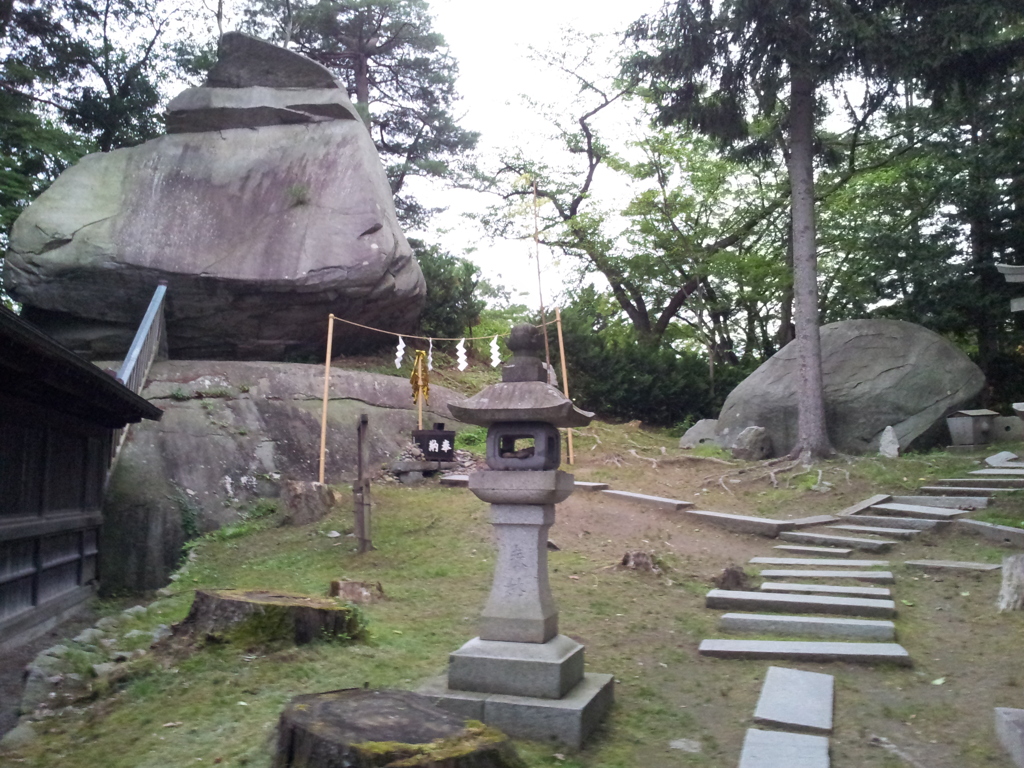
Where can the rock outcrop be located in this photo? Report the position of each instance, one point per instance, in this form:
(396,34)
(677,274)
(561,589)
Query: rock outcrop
(876,373)
(265,208)
(233,433)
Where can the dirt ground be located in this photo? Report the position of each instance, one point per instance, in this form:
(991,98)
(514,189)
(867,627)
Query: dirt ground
(645,628)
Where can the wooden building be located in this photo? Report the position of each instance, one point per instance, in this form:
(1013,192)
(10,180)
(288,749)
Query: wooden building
(58,414)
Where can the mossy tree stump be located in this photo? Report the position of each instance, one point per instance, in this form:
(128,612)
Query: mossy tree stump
(253,617)
(357,728)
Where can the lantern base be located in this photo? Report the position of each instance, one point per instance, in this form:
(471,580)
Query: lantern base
(543,670)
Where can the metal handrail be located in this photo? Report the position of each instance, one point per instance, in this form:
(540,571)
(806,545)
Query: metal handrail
(150,342)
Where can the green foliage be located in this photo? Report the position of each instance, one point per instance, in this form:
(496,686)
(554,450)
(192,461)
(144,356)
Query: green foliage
(190,511)
(452,306)
(473,439)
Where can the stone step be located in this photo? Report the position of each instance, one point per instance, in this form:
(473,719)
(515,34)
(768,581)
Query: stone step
(968,491)
(777,749)
(860,506)
(869,545)
(879,577)
(795,700)
(982,482)
(805,650)
(670,505)
(796,549)
(999,472)
(822,561)
(825,589)
(455,481)
(785,603)
(581,485)
(808,626)
(762,526)
(952,565)
(809,522)
(1001,534)
(885,521)
(875,530)
(914,510)
(951,502)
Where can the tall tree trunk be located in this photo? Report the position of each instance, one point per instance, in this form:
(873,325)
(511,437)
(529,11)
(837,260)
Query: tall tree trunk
(812,436)
(786,313)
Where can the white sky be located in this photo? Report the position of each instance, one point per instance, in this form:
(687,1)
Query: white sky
(491,43)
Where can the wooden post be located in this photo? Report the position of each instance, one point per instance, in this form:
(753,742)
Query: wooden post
(361,488)
(419,390)
(327,386)
(565,375)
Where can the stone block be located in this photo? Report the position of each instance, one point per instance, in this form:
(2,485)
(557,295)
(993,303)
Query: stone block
(701,433)
(1005,458)
(752,444)
(542,670)
(868,545)
(805,650)
(304,502)
(787,603)
(762,526)
(999,472)
(825,589)
(810,626)
(952,565)
(989,481)
(879,577)
(949,502)
(1010,732)
(774,749)
(970,490)
(1001,534)
(797,549)
(905,523)
(671,505)
(455,481)
(1007,428)
(875,530)
(581,485)
(796,700)
(541,487)
(810,522)
(569,720)
(822,561)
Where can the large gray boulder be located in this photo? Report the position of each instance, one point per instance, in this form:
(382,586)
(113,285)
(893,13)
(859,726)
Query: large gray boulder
(876,373)
(232,433)
(265,208)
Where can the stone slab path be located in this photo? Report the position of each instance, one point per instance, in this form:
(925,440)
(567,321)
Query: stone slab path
(822,561)
(824,589)
(797,549)
(896,533)
(783,603)
(805,650)
(969,491)
(919,511)
(658,502)
(952,565)
(776,749)
(796,700)
(808,626)
(952,502)
(867,545)
(905,523)
(879,577)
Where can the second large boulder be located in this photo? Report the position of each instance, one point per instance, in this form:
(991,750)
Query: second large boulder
(877,373)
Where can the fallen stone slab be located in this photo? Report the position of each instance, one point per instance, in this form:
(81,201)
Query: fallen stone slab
(834,589)
(810,522)
(952,565)
(796,549)
(796,700)
(1001,534)
(982,482)
(581,485)
(823,561)
(915,510)
(951,502)
(885,521)
(875,530)
(860,506)
(1010,732)
(776,749)
(455,481)
(971,491)
(1004,459)
(789,603)
(805,650)
(879,577)
(671,505)
(809,626)
(761,526)
(868,545)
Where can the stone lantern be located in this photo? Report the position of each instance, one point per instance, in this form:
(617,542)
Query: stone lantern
(520,675)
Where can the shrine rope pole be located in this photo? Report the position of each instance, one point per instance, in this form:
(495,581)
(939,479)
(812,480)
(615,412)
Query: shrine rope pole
(565,375)
(419,391)
(540,289)
(327,386)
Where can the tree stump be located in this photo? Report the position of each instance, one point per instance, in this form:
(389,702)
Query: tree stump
(257,618)
(1011,593)
(358,728)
